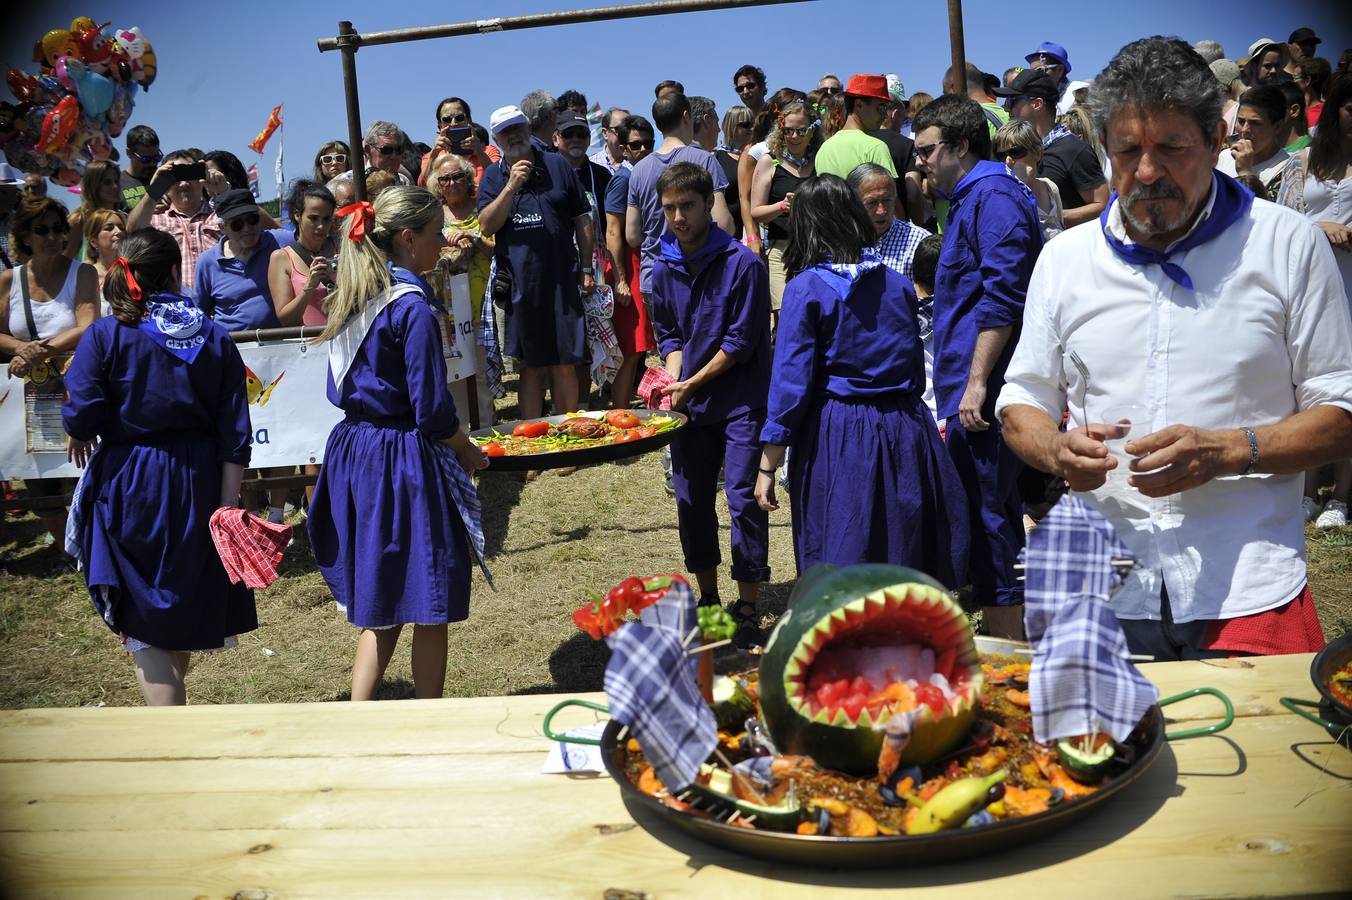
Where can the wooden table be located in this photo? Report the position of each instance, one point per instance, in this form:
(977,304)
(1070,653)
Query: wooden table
(440,798)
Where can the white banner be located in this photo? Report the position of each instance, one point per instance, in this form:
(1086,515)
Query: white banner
(289,409)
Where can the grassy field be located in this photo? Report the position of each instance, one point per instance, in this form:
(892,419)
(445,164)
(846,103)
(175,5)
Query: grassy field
(549,542)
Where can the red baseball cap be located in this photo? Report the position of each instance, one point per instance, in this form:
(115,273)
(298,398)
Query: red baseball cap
(873,87)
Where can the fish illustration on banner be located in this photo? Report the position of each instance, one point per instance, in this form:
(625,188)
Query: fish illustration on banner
(274,122)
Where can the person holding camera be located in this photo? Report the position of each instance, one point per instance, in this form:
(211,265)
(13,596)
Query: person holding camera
(301,275)
(535,208)
(455,134)
(183,179)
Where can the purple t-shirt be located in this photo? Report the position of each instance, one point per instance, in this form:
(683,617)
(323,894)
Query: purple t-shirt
(643,196)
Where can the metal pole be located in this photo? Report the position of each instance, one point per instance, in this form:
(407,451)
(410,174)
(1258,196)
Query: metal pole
(347,41)
(538,20)
(955,40)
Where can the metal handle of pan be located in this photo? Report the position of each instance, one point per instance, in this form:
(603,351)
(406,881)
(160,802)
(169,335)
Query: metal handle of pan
(1207,729)
(1294,704)
(585,704)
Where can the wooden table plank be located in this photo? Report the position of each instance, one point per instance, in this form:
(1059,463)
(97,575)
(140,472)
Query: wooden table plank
(487,724)
(1216,816)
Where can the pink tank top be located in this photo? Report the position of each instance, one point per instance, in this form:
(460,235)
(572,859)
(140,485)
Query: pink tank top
(314,310)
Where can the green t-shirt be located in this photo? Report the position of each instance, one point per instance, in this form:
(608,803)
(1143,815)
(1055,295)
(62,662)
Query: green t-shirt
(998,111)
(1301,143)
(845,150)
(133,189)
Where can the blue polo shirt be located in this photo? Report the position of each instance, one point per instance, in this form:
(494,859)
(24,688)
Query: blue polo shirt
(235,293)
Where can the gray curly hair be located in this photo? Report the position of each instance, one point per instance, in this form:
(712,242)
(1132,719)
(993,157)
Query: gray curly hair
(1157,73)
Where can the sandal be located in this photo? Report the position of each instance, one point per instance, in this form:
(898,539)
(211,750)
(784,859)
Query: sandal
(710,600)
(748,633)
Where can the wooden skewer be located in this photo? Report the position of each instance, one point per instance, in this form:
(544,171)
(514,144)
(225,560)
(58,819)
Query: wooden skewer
(703,647)
(746,782)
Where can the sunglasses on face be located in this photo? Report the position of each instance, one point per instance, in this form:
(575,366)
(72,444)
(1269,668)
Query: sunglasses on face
(746,87)
(830,91)
(740,126)
(147,158)
(245,221)
(388,149)
(1013,152)
(331,158)
(576,134)
(454,119)
(797,132)
(925,152)
(58,228)
(452,178)
(640,145)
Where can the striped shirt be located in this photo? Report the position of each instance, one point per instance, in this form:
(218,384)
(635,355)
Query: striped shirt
(195,234)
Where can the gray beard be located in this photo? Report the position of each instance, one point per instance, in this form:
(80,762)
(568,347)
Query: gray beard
(1154,222)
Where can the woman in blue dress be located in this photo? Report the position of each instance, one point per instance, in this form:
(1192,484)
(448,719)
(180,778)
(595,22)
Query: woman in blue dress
(161,388)
(395,519)
(869,479)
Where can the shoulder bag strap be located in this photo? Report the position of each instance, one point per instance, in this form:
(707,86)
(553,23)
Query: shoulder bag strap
(21,273)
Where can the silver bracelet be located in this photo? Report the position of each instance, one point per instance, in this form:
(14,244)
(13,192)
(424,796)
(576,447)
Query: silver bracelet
(1253,450)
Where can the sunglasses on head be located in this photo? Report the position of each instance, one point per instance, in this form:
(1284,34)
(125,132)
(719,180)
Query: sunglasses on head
(244,221)
(640,145)
(333,158)
(1013,152)
(454,119)
(58,228)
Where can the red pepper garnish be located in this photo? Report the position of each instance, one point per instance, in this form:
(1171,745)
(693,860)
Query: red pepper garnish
(605,614)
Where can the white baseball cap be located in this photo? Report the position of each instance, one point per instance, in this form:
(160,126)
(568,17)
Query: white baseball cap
(506,117)
(895,89)
(9,176)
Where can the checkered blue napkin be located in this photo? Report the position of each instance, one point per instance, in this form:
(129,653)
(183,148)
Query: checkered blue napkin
(1082,679)
(674,610)
(650,686)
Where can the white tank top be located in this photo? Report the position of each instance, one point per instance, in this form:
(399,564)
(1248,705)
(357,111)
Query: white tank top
(50,316)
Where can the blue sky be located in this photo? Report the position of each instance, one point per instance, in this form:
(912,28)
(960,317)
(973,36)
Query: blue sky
(223,66)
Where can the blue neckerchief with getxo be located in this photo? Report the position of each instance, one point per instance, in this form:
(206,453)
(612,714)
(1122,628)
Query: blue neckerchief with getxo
(1232,203)
(172,322)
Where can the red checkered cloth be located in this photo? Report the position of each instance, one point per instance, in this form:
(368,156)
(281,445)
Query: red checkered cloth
(1290,628)
(250,548)
(650,388)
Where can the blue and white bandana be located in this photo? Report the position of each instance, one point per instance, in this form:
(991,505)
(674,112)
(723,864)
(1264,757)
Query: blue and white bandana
(176,325)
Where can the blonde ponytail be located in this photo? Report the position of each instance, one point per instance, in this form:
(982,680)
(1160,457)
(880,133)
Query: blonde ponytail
(364,261)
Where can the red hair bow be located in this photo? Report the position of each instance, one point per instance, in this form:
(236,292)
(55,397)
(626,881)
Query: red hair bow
(364,214)
(132,287)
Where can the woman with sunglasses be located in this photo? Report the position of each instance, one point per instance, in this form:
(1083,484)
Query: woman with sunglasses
(793,143)
(467,251)
(736,138)
(1018,146)
(162,389)
(869,477)
(331,161)
(45,306)
(455,134)
(766,119)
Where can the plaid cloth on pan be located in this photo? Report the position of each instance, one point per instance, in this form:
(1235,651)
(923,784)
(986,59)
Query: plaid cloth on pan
(674,610)
(1082,679)
(250,548)
(650,686)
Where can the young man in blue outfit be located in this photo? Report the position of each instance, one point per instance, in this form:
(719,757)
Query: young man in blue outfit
(711,314)
(991,241)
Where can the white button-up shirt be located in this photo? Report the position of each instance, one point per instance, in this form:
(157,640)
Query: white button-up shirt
(1266,334)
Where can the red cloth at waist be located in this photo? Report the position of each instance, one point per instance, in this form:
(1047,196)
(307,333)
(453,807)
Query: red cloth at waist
(1290,628)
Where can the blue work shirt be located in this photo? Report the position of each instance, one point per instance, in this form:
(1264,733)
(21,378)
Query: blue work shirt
(716,299)
(991,241)
(844,332)
(234,293)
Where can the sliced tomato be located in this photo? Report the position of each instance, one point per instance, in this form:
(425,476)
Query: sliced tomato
(646,431)
(494,449)
(624,437)
(530,429)
(622,418)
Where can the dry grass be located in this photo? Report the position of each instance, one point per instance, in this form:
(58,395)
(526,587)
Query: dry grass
(549,542)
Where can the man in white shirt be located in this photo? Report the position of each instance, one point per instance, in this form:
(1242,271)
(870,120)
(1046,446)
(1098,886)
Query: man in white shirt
(1222,319)
(1257,158)
(612,154)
